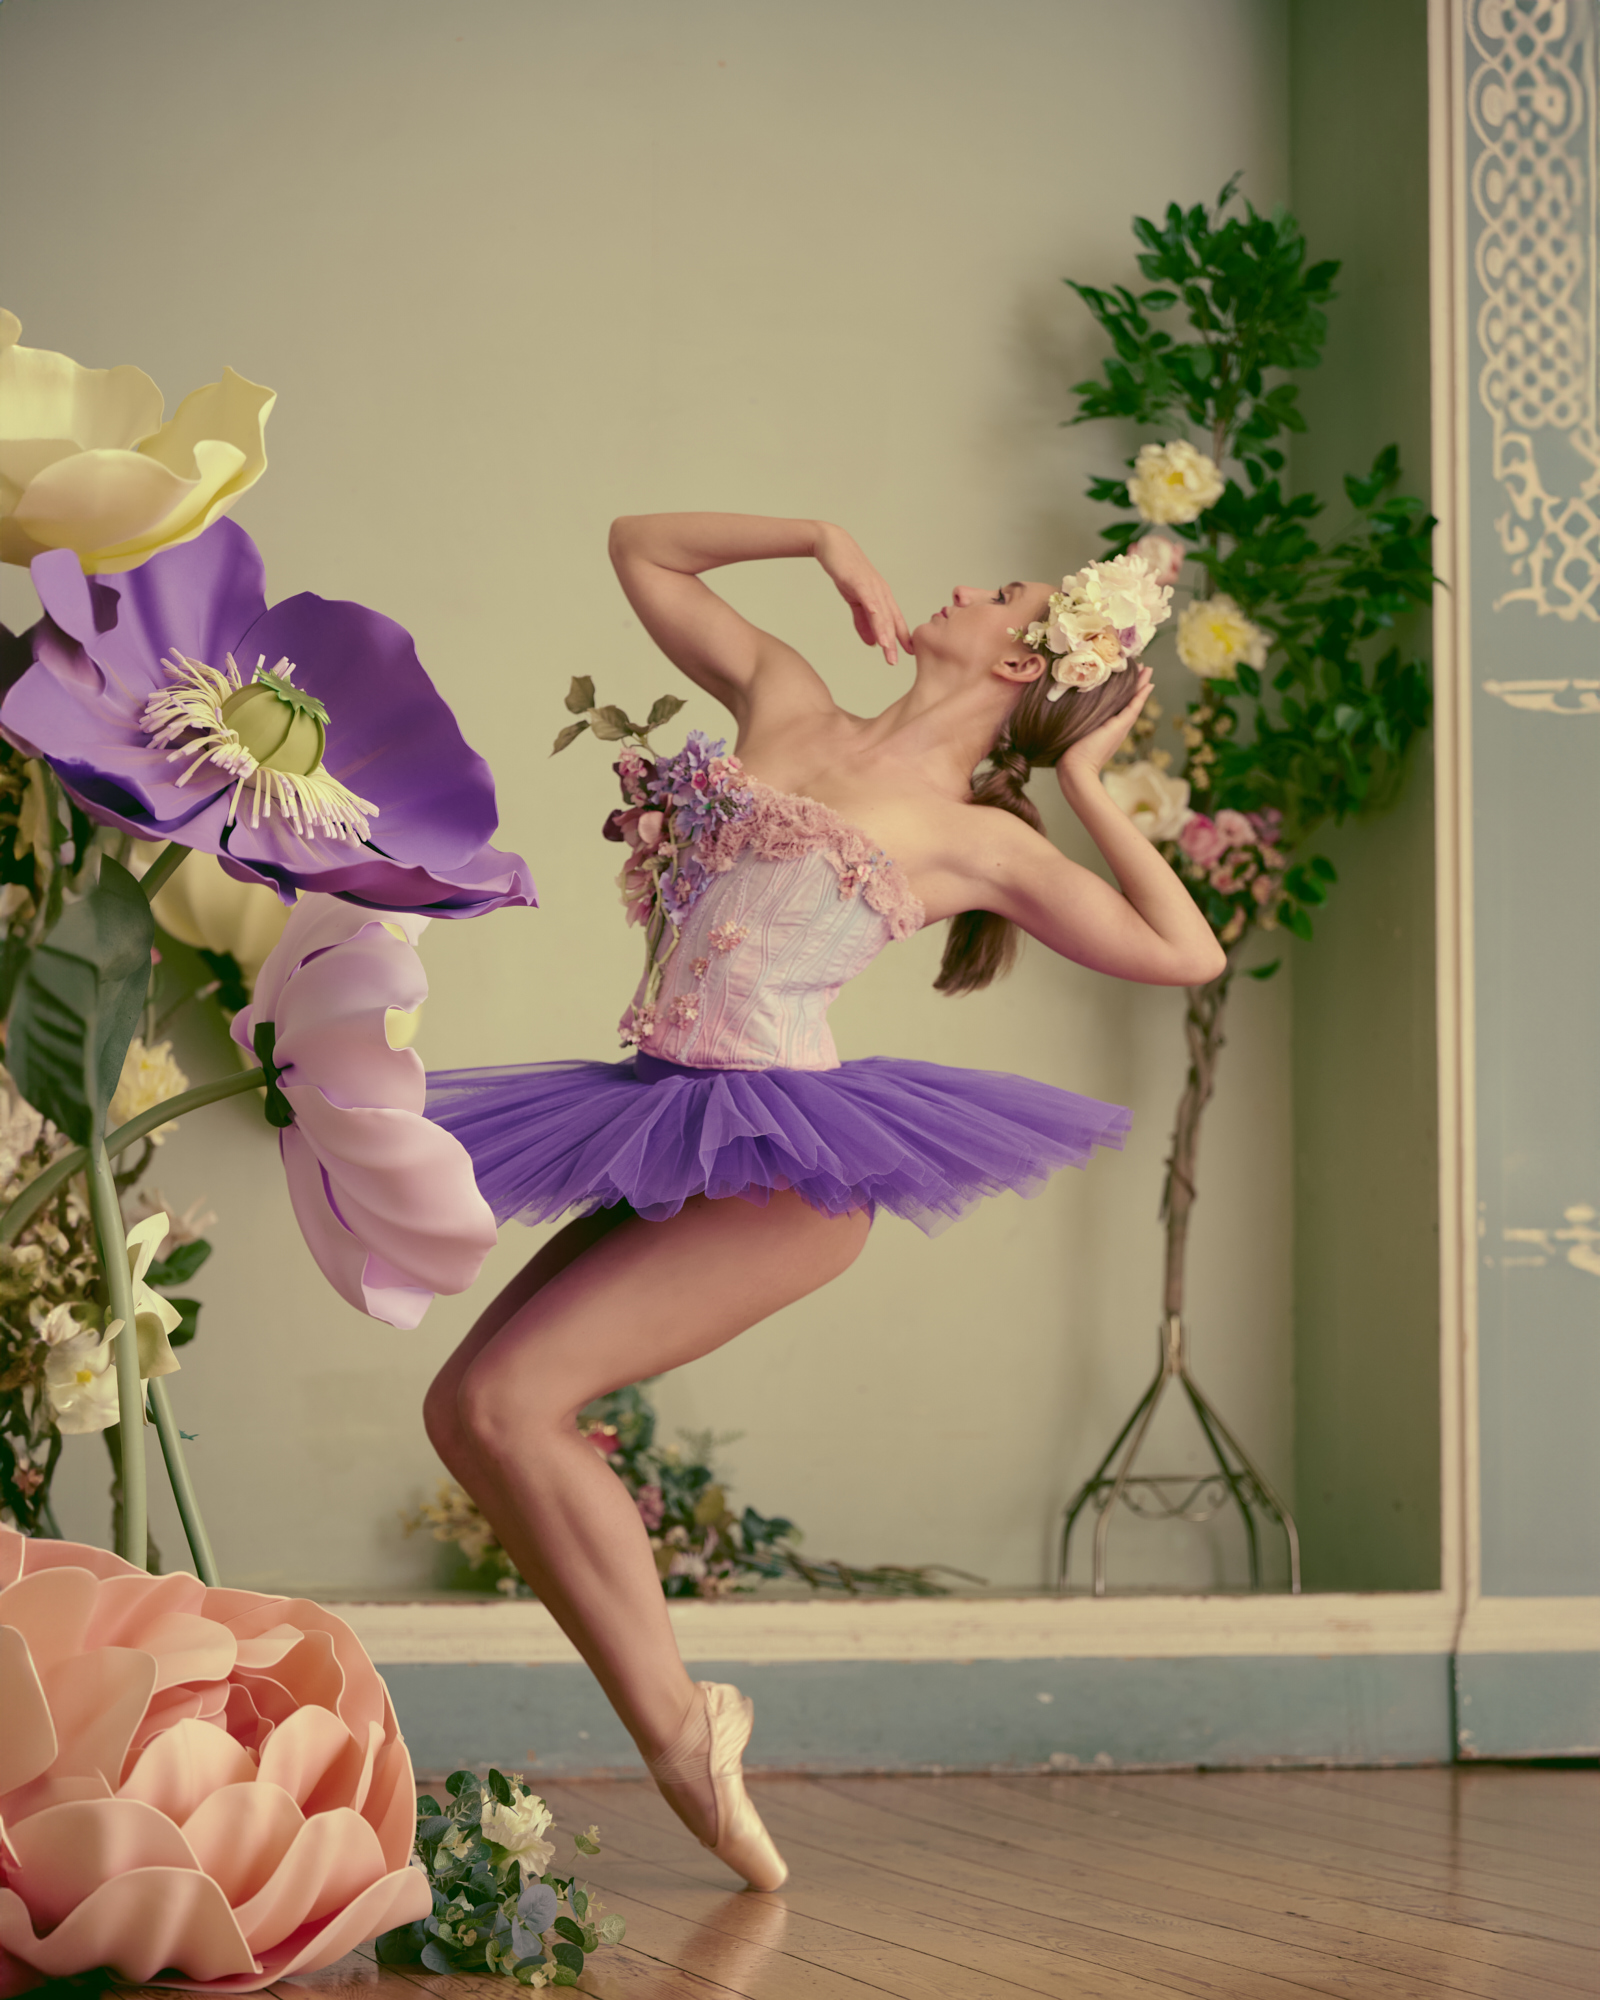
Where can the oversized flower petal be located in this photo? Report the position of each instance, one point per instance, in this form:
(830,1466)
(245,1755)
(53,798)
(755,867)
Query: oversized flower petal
(241,1833)
(86,463)
(394,809)
(28,1742)
(331,1860)
(137,1924)
(184,1766)
(385,1199)
(67,1851)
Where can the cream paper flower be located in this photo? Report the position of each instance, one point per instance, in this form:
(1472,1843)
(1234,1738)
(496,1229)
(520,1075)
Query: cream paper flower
(1156,802)
(518,1828)
(1214,636)
(204,907)
(80,1377)
(149,1077)
(87,464)
(1173,483)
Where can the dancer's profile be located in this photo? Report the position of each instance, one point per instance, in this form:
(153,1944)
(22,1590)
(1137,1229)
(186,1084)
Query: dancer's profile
(732,1164)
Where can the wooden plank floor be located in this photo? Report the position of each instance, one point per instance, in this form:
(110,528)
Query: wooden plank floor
(1402,1885)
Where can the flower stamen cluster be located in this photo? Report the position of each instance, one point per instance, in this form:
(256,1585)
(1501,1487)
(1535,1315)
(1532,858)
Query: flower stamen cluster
(265,733)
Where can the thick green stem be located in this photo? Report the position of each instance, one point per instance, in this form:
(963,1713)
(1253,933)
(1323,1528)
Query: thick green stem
(156,874)
(205,1563)
(39,1190)
(113,1246)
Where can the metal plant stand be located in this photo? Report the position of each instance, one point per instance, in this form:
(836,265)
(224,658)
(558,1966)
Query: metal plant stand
(1184,1496)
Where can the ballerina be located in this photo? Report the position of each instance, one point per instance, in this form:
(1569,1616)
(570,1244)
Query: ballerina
(733,1165)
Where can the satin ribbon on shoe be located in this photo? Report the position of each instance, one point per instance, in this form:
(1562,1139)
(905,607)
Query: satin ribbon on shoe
(711,1744)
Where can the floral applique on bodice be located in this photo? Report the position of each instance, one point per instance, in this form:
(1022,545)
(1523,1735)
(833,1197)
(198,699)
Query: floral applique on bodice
(789,902)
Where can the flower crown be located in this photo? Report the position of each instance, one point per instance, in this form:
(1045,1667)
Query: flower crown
(1101,618)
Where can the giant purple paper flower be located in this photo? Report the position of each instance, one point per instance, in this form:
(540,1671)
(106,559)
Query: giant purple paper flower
(325,759)
(385,1199)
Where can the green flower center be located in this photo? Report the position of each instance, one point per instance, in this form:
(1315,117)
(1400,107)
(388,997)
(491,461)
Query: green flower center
(282,728)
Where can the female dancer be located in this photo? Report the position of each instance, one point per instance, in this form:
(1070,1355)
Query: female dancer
(736,1090)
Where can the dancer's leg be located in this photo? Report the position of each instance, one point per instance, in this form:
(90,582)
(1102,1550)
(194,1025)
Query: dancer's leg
(643,1297)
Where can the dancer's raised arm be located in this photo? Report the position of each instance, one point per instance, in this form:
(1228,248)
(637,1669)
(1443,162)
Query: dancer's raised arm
(660,560)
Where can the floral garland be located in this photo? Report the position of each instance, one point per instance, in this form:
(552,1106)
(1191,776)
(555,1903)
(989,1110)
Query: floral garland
(702,1547)
(497,1908)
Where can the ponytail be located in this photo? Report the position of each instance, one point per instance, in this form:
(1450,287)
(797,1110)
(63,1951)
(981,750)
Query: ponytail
(982,945)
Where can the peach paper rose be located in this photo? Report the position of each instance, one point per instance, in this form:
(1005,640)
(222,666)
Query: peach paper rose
(205,1785)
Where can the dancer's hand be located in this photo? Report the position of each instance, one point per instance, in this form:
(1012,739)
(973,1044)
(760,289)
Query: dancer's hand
(878,619)
(1089,756)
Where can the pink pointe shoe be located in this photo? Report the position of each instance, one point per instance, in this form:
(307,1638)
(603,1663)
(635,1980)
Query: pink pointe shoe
(712,1742)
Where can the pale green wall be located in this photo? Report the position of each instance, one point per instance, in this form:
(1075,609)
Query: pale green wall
(516,266)
(1366,1175)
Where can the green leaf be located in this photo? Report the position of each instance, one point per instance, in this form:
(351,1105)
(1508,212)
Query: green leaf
(613,1926)
(564,1975)
(498,1785)
(78,1004)
(584,1844)
(663,709)
(565,1927)
(569,1955)
(579,1901)
(1264,971)
(1319,864)
(610,724)
(1296,922)
(580,696)
(189,1322)
(401,1946)
(179,1264)
(567,737)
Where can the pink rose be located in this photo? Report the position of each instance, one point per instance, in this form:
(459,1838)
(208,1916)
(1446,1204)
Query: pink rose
(1201,841)
(1233,873)
(652,1506)
(1263,888)
(1235,828)
(1164,557)
(1268,824)
(208,1783)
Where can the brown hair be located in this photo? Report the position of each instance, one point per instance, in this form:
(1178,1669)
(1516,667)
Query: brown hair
(981,945)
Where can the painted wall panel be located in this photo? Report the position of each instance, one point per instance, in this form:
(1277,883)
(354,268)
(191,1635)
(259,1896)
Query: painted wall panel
(1532,607)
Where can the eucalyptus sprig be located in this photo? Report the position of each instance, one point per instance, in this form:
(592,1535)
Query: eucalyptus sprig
(493,1911)
(610,724)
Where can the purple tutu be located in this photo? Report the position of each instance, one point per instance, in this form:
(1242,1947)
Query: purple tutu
(920,1139)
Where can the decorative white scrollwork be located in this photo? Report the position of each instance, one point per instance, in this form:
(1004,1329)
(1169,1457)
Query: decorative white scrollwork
(1531,99)
(1579,1241)
(1549,697)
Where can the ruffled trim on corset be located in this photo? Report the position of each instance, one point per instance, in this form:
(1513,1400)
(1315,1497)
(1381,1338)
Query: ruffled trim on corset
(785,826)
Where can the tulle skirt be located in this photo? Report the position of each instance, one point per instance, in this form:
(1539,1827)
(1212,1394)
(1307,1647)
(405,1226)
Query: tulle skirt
(920,1139)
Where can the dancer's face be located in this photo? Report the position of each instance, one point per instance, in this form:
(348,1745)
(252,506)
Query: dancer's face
(974,629)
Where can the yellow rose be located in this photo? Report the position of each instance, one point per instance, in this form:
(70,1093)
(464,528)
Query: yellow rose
(87,464)
(1173,483)
(1214,635)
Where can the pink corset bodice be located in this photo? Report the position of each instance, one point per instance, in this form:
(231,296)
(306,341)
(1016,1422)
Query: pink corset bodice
(798,903)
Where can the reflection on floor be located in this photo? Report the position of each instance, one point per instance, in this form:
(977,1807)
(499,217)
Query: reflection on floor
(1412,1885)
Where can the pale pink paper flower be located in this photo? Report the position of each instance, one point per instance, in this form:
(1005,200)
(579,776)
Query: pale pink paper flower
(202,1783)
(385,1199)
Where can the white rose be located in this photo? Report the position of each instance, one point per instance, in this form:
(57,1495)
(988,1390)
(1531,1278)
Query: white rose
(1172,483)
(519,1828)
(87,464)
(149,1077)
(1125,594)
(1156,802)
(1214,636)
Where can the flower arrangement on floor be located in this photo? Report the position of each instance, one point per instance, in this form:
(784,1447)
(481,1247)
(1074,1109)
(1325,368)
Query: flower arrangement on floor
(702,1547)
(1305,710)
(158,712)
(497,1905)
